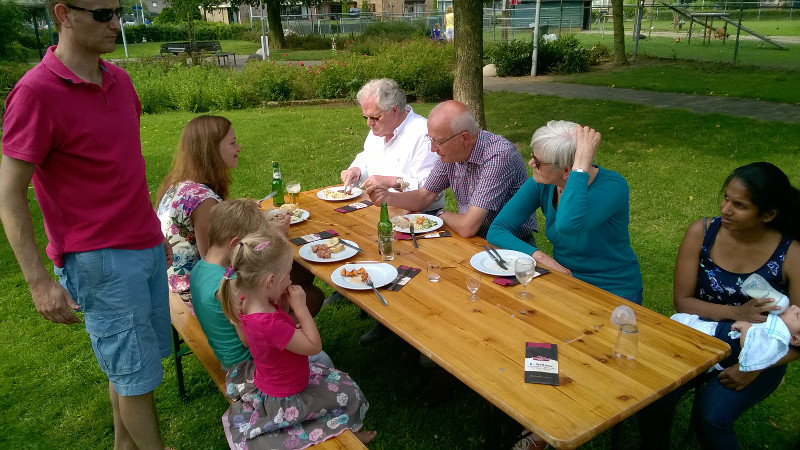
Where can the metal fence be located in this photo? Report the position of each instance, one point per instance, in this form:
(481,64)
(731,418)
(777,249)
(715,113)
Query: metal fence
(751,33)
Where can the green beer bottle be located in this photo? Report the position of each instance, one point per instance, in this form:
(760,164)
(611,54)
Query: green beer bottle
(277,185)
(385,239)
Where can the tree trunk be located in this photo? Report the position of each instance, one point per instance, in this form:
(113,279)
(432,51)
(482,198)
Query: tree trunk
(468,40)
(619,33)
(276,38)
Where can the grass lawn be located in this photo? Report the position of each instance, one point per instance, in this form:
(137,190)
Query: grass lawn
(54,395)
(692,77)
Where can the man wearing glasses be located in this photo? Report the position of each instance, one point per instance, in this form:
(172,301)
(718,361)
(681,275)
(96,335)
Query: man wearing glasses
(395,154)
(72,127)
(484,171)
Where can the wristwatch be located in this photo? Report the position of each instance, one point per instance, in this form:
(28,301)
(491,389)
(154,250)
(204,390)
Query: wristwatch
(578,169)
(401,185)
(440,212)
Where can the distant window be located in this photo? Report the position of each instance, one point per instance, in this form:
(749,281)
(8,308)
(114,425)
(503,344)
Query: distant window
(155,4)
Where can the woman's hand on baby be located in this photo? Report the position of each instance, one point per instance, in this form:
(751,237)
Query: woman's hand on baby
(755,310)
(733,378)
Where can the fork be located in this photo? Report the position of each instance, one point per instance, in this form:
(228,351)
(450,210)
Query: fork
(380,297)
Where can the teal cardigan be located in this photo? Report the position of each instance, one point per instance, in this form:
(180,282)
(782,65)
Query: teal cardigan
(588,229)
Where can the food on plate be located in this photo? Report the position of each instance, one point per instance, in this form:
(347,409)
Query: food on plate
(401,222)
(421,222)
(335,194)
(355,276)
(327,248)
(292,210)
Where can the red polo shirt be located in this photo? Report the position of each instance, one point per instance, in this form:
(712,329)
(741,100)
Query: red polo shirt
(89,179)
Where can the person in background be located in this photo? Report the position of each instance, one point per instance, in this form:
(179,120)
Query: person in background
(290,404)
(586,208)
(199,179)
(396,153)
(755,233)
(436,33)
(449,24)
(71,127)
(484,171)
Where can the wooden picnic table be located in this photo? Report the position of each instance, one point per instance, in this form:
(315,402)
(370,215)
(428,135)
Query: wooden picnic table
(482,343)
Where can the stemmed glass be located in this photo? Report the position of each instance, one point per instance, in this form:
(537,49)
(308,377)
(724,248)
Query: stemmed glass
(473,283)
(293,188)
(524,269)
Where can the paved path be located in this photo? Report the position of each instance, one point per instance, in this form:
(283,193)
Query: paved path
(701,104)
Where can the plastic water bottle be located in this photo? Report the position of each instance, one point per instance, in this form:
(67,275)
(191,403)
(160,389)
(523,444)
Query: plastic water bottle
(757,287)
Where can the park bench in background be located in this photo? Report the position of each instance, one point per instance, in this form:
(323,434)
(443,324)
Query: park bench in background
(201,48)
(186,329)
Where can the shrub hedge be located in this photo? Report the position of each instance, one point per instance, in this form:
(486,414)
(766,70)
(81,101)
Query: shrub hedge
(564,55)
(421,67)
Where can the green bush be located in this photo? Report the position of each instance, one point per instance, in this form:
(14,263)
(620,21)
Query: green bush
(513,58)
(397,30)
(568,56)
(12,20)
(307,42)
(599,53)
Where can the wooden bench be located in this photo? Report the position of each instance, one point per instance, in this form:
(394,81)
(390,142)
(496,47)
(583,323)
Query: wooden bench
(186,330)
(202,48)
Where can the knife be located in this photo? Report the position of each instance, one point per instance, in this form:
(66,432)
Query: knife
(413,236)
(347,244)
(400,275)
(269,196)
(499,256)
(499,262)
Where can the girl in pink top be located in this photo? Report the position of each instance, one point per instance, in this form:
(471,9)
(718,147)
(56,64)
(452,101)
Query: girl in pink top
(289,404)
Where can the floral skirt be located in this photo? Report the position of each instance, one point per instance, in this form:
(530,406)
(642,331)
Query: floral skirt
(330,404)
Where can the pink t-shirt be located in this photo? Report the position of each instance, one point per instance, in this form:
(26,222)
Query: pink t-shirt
(279,372)
(90,173)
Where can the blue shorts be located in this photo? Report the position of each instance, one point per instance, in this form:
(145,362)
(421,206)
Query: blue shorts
(124,297)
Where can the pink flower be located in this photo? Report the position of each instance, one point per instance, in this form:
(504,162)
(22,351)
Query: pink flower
(315,435)
(300,63)
(290,414)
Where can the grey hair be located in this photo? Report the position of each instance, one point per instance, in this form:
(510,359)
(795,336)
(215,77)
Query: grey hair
(386,91)
(465,122)
(556,143)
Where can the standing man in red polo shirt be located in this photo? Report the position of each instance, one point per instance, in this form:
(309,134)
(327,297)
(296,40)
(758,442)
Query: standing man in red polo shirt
(72,127)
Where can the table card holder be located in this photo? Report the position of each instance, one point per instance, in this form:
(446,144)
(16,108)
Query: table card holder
(541,363)
(302,240)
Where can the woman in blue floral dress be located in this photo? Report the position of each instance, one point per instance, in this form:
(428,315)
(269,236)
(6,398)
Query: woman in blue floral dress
(198,180)
(760,219)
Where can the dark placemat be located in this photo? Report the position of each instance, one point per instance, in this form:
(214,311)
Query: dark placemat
(433,234)
(302,240)
(404,274)
(512,281)
(353,206)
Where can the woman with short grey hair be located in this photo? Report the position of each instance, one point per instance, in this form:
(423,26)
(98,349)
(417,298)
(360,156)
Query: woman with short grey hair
(585,207)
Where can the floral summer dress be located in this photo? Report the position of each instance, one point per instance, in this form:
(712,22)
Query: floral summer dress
(174,212)
(330,403)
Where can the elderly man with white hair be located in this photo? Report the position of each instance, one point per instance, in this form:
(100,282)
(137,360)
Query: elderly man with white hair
(396,151)
(483,169)
(586,208)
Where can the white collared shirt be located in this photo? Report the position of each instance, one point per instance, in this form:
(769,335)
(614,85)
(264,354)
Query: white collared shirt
(407,155)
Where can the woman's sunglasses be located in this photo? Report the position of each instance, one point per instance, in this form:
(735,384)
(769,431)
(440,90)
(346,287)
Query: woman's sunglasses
(99,15)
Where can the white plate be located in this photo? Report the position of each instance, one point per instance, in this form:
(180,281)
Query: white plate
(381,274)
(307,254)
(413,217)
(324,194)
(483,262)
(303,215)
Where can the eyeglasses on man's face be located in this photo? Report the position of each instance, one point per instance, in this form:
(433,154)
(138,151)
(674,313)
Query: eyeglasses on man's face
(101,15)
(441,143)
(375,118)
(538,164)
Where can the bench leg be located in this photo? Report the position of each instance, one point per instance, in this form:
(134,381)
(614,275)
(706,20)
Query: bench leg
(178,353)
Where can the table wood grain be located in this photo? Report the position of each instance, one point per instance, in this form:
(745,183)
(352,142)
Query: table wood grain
(482,343)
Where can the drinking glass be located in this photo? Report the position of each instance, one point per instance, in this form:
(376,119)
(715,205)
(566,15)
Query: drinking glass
(293,188)
(387,249)
(473,283)
(434,271)
(524,269)
(627,345)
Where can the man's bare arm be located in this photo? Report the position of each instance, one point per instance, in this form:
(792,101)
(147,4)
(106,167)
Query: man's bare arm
(51,300)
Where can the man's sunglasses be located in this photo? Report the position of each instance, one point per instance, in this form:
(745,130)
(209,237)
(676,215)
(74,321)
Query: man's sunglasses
(99,15)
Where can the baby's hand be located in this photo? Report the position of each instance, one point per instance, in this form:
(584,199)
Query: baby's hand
(739,330)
